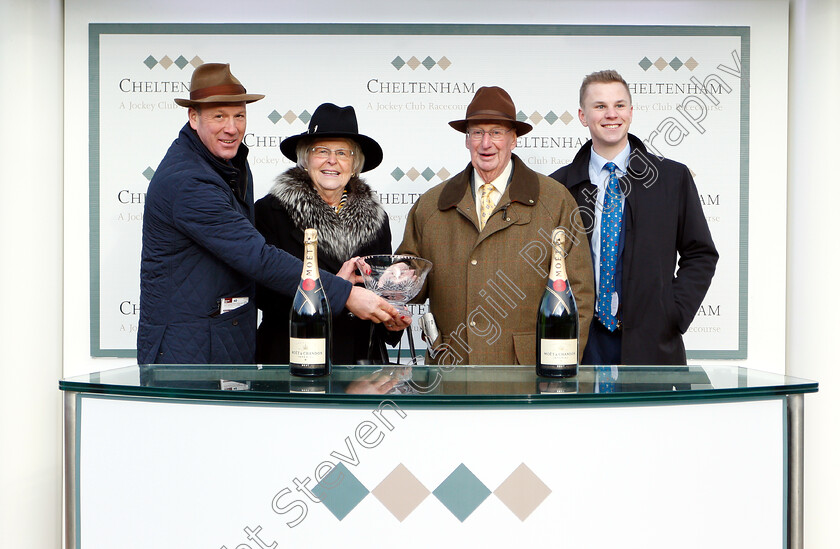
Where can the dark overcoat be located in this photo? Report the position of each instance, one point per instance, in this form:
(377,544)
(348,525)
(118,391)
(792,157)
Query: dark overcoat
(200,246)
(360,228)
(664,221)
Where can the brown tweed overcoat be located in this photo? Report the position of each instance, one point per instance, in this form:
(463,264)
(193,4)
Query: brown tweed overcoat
(485,287)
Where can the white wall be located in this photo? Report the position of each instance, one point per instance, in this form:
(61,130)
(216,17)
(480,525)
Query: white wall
(814,254)
(31,96)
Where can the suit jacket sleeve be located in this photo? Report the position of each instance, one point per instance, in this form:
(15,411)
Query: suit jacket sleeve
(203,212)
(698,256)
(412,245)
(579,270)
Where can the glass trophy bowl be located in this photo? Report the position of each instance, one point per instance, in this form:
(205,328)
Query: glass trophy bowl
(396,278)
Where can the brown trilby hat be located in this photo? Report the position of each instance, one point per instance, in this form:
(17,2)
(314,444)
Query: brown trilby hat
(213,83)
(491,104)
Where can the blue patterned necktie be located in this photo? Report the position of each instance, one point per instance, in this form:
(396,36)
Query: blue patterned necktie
(610,230)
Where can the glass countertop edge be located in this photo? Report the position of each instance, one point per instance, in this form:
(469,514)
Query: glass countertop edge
(740,393)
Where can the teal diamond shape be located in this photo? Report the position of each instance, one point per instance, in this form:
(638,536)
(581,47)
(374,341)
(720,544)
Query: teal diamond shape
(428,174)
(551,118)
(676,63)
(148,173)
(521,116)
(398,62)
(274,116)
(428,62)
(340,491)
(305,117)
(645,63)
(397,174)
(461,492)
(181,62)
(150,62)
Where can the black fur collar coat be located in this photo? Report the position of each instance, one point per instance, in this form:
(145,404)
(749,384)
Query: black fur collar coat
(360,228)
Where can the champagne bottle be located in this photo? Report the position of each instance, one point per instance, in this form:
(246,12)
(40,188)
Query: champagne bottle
(557,318)
(310,322)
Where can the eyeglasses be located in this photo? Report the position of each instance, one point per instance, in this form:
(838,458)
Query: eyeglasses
(496,134)
(323,152)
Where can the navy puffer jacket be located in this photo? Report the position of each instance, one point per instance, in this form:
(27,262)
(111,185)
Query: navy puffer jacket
(199,246)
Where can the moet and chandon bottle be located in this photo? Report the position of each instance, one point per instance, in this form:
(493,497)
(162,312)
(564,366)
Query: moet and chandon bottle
(310,321)
(557,318)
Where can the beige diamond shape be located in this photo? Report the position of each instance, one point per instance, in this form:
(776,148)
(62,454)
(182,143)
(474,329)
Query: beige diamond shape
(165,62)
(522,492)
(413,174)
(536,117)
(443,174)
(289,116)
(660,64)
(413,62)
(691,63)
(400,492)
(566,117)
(444,63)
(196,61)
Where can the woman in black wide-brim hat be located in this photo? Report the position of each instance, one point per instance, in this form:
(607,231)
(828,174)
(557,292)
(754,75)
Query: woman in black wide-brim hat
(324,191)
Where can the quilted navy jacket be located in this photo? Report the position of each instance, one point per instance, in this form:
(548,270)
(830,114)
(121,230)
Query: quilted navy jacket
(199,246)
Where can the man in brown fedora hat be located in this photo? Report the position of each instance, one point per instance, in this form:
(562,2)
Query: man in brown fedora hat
(487,231)
(202,256)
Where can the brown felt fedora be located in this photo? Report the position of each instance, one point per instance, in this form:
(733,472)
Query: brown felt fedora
(491,104)
(213,83)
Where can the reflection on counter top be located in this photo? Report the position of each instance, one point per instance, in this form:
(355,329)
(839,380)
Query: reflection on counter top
(433,385)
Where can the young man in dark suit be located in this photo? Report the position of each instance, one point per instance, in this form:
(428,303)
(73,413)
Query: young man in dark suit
(641,212)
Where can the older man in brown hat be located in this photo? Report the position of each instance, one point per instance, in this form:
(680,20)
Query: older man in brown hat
(201,254)
(487,231)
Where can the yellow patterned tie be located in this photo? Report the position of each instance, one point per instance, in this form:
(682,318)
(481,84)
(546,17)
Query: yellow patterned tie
(487,203)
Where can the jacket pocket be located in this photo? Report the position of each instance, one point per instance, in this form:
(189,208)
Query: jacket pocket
(525,348)
(233,336)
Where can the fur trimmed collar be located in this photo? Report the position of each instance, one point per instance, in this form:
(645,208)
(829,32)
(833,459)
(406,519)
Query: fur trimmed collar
(339,235)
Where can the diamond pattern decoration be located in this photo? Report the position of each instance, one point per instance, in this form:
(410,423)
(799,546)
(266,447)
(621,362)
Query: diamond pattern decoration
(400,492)
(340,491)
(305,117)
(428,174)
(566,117)
(398,62)
(551,118)
(676,63)
(522,492)
(148,173)
(660,64)
(461,492)
(413,173)
(645,63)
(289,116)
(167,62)
(444,63)
(535,117)
(691,63)
(413,62)
(274,116)
(521,116)
(397,174)
(428,62)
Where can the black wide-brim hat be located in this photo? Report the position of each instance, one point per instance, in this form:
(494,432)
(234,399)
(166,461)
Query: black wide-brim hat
(330,120)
